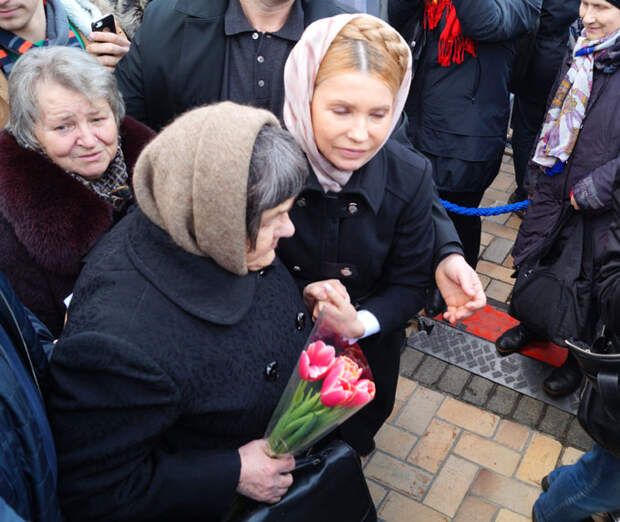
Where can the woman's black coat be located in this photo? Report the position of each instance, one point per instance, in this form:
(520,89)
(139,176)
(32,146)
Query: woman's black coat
(376,236)
(160,375)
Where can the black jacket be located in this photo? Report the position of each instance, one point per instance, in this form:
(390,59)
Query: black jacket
(461,111)
(376,235)
(178,57)
(160,375)
(610,272)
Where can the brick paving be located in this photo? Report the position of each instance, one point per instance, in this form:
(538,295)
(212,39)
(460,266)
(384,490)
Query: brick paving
(459,447)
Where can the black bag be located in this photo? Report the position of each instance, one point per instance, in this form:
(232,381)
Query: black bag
(599,409)
(329,485)
(552,295)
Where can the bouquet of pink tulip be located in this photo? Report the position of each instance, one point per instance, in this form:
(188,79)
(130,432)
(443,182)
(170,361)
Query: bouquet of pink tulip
(331,383)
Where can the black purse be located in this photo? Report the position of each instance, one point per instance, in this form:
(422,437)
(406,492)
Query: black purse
(552,295)
(328,485)
(599,407)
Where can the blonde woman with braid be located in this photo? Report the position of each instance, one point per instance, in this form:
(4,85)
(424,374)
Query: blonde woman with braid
(363,220)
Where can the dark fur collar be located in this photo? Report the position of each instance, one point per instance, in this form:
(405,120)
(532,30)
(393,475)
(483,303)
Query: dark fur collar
(56,218)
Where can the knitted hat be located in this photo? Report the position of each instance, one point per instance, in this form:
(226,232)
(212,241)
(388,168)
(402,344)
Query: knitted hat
(191,180)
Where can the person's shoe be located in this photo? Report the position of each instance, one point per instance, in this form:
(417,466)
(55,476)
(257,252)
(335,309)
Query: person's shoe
(516,197)
(544,483)
(435,304)
(564,379)
(513,340)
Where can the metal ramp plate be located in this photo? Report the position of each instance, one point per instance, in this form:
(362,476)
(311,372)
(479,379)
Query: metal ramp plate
(461,348)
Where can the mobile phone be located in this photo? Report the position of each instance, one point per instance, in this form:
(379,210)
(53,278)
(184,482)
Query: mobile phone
(104,24)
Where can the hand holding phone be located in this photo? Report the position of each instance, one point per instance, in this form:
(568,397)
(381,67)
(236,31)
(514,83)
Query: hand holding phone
(105,24)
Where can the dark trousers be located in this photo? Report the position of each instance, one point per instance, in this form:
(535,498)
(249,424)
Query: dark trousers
(467,227)
(527,118)
(383,355)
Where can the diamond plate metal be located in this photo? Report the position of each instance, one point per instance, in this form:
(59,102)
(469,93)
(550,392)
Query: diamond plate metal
(479,356)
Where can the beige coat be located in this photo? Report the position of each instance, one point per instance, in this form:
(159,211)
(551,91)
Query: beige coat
(4,101)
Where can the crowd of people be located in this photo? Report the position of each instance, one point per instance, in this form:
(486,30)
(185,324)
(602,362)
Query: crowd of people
(182,196)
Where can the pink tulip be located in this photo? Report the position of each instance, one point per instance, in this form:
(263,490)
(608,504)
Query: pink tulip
(316,361)
(364,393)
(339,385)
(354,352)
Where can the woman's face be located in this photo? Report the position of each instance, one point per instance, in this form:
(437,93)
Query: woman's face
(78,135)
(274,224)
(351,117)
(600,18)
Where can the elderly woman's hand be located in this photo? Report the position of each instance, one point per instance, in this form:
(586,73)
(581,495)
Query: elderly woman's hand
(108,48)
(264,478)
(332,298)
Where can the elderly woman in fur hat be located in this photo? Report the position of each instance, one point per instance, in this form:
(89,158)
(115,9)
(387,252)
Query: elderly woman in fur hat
(65,167)
(163,377)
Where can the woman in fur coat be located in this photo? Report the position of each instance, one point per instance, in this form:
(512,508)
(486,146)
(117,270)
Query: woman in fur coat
(65,167)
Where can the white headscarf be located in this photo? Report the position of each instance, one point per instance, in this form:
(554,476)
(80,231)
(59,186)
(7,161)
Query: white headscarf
(300,73)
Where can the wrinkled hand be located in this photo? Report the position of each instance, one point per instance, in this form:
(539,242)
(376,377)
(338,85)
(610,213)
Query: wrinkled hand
(107,47)
(331,298)
(460,288)
(573,202)
(264,478)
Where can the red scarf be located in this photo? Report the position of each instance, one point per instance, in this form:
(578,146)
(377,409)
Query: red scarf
(452,43)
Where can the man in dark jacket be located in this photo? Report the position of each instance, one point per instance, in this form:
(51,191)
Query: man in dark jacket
(28,460)
(532,91)
(458,106)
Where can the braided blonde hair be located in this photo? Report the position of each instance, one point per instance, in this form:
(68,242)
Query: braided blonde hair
(366,44)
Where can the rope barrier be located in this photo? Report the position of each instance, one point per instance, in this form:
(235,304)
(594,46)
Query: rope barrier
(490,211)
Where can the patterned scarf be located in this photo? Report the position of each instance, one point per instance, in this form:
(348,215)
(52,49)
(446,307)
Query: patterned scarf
(452,43)
(57,30)
(563,121)
(300,73)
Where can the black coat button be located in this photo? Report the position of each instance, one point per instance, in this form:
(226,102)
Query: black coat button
(302,203)
(352,208)
(272,371)
(261,273)
(300,321)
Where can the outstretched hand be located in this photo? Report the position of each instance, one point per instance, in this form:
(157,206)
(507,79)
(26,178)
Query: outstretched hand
(460,288)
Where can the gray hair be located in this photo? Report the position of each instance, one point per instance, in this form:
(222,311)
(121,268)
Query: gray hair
(72,68)
(278,170)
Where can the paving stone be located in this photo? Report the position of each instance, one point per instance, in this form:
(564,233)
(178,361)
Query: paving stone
(478,390)
(395,411)
(497,250)
(502,181)
(508,516)
(398,508)
(514,222)
(528,411)
(468,417)
(416,415)
(397,475)
(395,441)
(499,290)
(430,370)
(495,271)
(485,238)
(555,422)
(502,400)
(485,280)
(509,261)
(507,492)
(499,230)
(500,218)
(474,509)
(434,445)
(577,437)
(512,435)
(377,492)
(405,388)
(410,359)
(451,485)
(453,380)
(540,458)
(498,195)
(487,453)
(570,456)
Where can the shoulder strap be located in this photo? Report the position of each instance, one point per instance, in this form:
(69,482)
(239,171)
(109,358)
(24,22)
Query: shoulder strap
(9,322)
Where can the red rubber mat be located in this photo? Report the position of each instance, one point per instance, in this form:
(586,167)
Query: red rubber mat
(489,323)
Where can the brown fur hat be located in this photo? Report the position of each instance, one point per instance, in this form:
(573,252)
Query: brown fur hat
(191,180)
